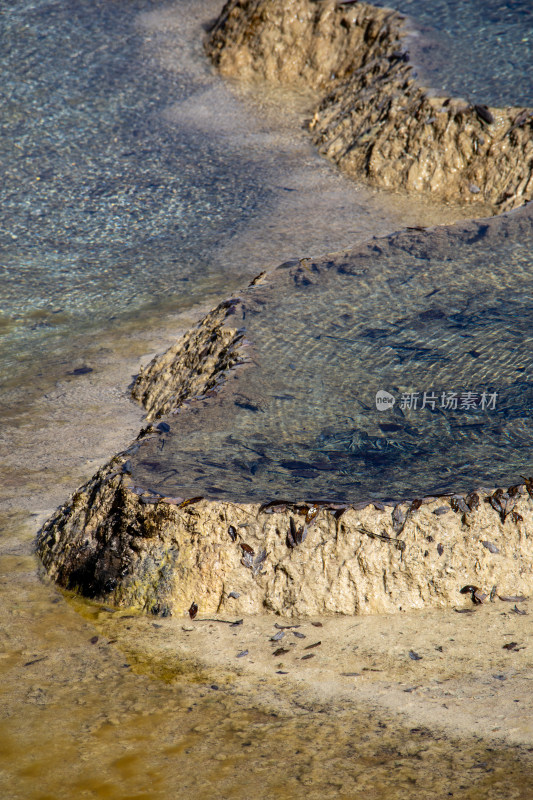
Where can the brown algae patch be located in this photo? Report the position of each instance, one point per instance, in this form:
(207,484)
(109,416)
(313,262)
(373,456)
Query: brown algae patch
(237,723)
(374,119)
(126,629)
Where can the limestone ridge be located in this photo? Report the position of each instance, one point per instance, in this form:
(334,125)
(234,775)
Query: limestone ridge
(128,545)
(373,118)
(191,368)
(123,545)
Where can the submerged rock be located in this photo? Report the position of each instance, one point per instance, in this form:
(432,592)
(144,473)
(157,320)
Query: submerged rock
(147,531)
(373,118)
(326,337)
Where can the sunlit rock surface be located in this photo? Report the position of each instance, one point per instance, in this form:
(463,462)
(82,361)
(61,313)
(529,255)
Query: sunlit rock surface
(279,443)
(375,119)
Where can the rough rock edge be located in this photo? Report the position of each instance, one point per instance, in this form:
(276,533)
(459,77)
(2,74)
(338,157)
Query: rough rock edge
(124,545)
(193,367)
(374,119)
(127,545)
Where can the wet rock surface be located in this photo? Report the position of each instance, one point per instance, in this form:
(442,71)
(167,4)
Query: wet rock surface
(183,517)
(374,119)
(91,708)
(192,367)
(436,321)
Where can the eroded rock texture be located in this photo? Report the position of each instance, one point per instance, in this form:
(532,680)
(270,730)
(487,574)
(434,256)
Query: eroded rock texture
(125,546)
(373,119)
(192,367)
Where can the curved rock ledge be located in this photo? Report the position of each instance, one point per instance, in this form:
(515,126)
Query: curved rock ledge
(127,544)
(119,544)
(373,119)
(192,367)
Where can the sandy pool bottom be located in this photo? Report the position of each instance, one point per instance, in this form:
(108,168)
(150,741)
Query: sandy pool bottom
(133,712)
(107,704)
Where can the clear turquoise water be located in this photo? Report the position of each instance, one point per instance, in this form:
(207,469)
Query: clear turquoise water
(119,200)
(105,209)
(109,212)
(134,184)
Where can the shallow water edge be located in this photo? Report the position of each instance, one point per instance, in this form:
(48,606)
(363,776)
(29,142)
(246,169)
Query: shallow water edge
(303,521)
(93,722)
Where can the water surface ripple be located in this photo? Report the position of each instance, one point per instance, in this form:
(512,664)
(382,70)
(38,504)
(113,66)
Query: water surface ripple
(481,50)
(438,323)
(132,178)
(134,186)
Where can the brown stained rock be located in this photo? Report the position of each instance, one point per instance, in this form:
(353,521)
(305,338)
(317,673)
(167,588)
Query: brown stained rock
(373,119)
(107,544)
(193,366)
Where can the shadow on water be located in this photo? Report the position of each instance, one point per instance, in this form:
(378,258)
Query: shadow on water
(113,216)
